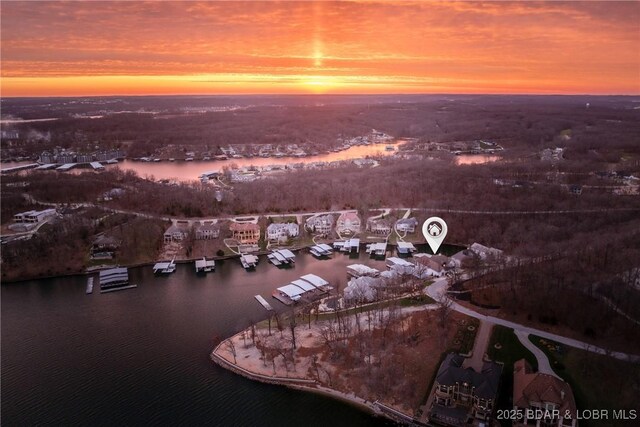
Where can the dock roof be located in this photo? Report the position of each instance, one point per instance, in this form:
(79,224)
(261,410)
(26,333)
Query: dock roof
(291,291)
(315,280)
(306,286)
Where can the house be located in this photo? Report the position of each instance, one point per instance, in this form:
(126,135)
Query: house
(535,394)
(348,222)
(34,216)
(485,252)
(283,231)
(245,233)
(379,226)
(575,189)
(104,247)
(435,265)
(406,225)
(464,259)
(462,396)
(176,232)
(206,230)
(321,224)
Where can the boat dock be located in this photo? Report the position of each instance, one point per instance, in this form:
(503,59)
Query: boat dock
(66,167)
(165,267)
(119,288)
(96,166)
(359,270)
(204,265)
(264,302)
(377,249)
(348,245)
(281,257)
(19,168)
(406,248)
(249,261)
(321,250)
(90,285)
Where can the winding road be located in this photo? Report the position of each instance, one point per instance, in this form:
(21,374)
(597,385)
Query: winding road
(437,291)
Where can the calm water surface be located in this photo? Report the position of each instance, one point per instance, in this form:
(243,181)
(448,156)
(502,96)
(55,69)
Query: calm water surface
(141,356)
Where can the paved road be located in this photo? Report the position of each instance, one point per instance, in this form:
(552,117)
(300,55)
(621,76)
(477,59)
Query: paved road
(543,361)
(480,345)
(437,291)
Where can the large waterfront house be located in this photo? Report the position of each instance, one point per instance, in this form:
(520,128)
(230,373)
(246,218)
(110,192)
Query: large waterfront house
(320,224)
(176,232)
(348,223)
(206,230)
(406,225)
(463,396)
(435,265)
(379,226)
(104,247)
(538,397)
(245,233)
(282,231)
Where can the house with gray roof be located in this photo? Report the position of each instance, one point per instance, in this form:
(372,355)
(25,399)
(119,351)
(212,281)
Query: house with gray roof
(463,396)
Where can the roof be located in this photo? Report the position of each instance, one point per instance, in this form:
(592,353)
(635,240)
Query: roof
(315,280)
(291,290)
(236,226)
(306,286)
(537,387)
(177,228)
(398,261)
(407,221)
(485,383)
(349,216)
(286,253)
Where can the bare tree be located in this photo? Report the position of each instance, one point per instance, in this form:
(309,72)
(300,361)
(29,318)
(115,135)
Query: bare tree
(231,348)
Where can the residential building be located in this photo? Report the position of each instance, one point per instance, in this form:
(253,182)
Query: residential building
(206,230)
(176,232)
(104,247)
(435,265)
(245,233)
(34,216)
(348,222)
(463,396)
(379,226)
(321,224)
(464,258)
(542,399)
(282,231)
(485,252)
(407,225)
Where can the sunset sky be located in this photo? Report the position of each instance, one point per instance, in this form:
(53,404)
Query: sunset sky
(109,48)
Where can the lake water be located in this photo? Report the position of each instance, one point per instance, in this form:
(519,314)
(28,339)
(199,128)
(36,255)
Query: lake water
(141,356)
(190,171)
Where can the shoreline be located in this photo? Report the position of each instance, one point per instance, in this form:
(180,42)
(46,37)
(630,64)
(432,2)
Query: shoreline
(373,408)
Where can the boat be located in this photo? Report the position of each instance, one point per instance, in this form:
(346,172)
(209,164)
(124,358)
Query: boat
(165,267)
(205,266)
(115,279)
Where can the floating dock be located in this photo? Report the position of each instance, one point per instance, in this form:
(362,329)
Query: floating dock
(96,165)
(281,257)
(204,265)
(248,261)
(164,267)
(66,167)
(321,250)
(377,249)
(90,285)
(119,288)
(264,302)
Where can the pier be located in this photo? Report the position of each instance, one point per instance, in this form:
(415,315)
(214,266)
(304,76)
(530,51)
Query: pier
(264,302)
(204,265)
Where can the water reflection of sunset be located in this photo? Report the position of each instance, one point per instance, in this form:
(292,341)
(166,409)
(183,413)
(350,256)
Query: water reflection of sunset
(101,48)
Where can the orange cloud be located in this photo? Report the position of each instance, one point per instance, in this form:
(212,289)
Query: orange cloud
(82,48)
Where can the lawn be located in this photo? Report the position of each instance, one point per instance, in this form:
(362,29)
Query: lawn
(508,352)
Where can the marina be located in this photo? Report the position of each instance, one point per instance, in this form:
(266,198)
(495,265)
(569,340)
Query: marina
(148,332)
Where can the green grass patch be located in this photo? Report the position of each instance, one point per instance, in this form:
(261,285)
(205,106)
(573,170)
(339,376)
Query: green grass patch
(416,301)
(509,350)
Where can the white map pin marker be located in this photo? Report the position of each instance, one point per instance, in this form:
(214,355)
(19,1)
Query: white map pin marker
(434,230)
